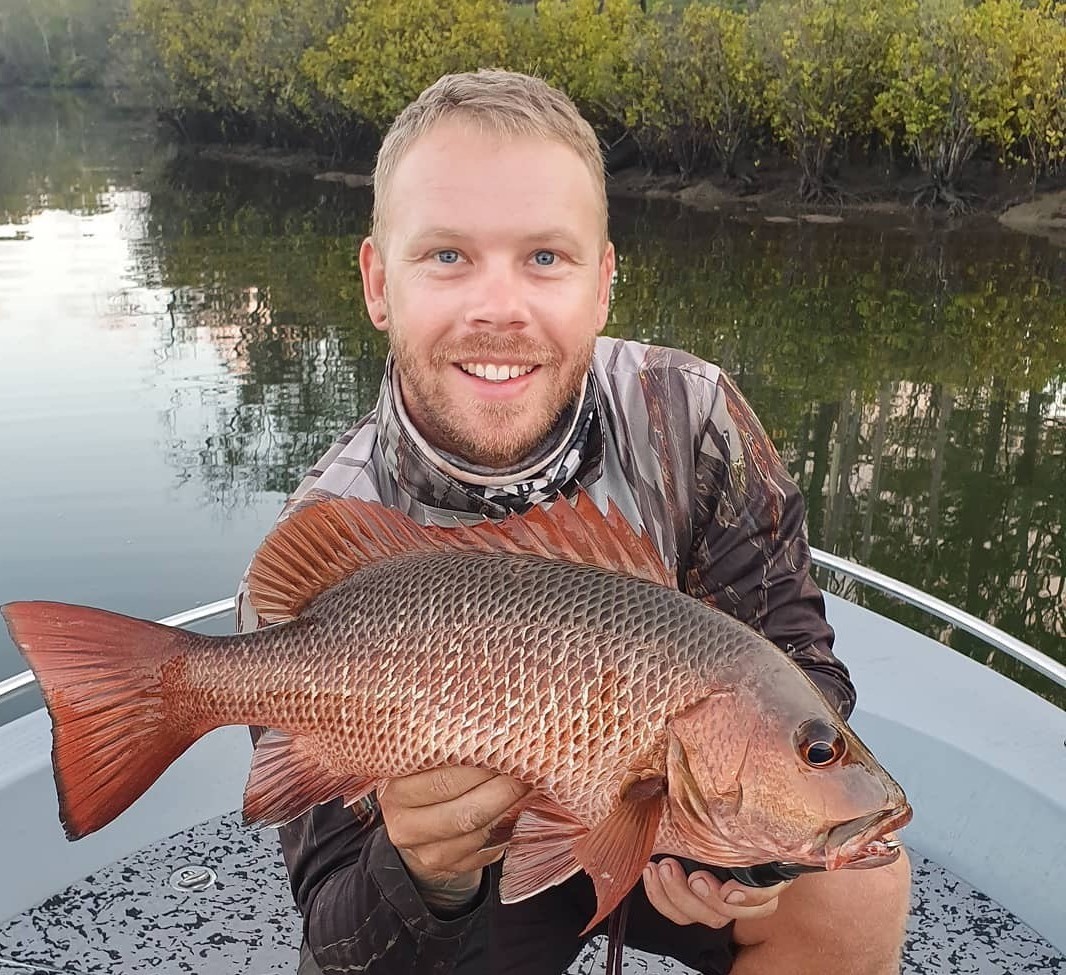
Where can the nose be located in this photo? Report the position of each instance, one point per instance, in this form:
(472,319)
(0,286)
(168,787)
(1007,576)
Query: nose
(497,298)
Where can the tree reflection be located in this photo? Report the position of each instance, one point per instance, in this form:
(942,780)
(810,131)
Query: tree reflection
(910,381)
(266,273)
(58,151)
(913,378)
(907,379)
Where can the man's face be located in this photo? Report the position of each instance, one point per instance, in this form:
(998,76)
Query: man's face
(493,282)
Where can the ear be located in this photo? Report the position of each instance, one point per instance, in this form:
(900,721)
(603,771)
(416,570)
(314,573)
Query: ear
(372,268)
(603,291)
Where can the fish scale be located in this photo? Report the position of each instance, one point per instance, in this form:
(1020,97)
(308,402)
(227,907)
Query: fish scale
(553,647)
(470,640)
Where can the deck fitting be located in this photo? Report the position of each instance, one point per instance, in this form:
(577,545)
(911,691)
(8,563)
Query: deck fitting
(193,877)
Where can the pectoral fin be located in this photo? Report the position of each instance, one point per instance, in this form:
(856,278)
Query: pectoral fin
(541,852)
(616,851)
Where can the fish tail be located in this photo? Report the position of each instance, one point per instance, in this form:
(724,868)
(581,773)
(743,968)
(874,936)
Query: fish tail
(113,731)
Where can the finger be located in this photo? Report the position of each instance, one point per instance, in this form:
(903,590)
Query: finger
(653,888)
(687,901)
(434,785)
(473,812)
(450,857)
(739,895)
(722,899)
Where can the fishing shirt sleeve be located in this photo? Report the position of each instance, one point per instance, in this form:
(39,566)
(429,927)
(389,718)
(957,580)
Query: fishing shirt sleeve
(750,556)
(361,910)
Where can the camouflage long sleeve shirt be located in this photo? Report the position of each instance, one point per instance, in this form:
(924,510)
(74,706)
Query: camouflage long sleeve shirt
(677,448)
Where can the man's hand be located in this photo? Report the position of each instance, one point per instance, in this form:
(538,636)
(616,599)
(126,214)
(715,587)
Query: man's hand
(440,823)
(702,898)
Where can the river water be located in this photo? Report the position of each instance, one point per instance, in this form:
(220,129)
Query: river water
(180,340)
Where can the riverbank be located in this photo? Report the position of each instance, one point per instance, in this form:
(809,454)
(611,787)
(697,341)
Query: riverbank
(772,190)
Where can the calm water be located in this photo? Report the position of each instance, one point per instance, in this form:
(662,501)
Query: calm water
(179,341)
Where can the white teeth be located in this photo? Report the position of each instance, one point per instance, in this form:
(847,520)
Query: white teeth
(493,373)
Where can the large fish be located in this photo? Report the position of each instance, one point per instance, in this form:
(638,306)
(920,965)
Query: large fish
(553,647)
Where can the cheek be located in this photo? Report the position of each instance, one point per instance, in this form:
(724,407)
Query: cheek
(567,314)
(420,313)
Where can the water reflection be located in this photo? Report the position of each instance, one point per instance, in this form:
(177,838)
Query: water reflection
(915,382)
(913,378)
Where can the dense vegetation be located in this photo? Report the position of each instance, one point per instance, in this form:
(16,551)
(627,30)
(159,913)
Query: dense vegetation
(58,43)
(693,86)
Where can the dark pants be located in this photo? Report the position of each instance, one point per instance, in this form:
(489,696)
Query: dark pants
(542,935)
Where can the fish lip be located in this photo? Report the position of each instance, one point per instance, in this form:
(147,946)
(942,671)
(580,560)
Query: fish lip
(861,842)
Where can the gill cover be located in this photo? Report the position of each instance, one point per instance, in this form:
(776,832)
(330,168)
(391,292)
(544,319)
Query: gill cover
(705,760)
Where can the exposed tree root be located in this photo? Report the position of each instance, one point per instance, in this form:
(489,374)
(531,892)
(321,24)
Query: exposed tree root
(937,194)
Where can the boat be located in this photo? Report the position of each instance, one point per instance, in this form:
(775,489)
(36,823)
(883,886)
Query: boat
(178,885)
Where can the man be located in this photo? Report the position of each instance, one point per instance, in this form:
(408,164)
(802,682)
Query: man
(490,268)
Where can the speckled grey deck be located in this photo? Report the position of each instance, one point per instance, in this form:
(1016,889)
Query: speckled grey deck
(246,922)
(15,968)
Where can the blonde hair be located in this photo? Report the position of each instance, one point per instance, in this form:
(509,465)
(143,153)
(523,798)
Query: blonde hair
(502,102)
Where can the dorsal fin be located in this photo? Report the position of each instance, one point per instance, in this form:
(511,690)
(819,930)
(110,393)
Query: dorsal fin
(321,544)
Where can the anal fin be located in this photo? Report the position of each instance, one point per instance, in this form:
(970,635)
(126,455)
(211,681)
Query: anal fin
(288,777)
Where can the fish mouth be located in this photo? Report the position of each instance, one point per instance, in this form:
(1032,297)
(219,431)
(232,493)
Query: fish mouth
(862,843)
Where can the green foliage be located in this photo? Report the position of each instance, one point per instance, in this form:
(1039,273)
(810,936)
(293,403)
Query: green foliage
(192,41)
(824,60)
(1039,83)
(693,83)
(235,57)
(58,43)
(699,85)
(951,84)
(594,50)
(384,54)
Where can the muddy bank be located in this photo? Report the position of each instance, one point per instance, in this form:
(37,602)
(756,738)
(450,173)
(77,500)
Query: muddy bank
(858,191)
(1045,215)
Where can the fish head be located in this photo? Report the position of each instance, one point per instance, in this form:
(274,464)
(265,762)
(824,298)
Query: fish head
(757,775)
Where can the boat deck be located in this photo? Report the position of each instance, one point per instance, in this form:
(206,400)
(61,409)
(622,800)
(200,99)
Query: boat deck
(127,918)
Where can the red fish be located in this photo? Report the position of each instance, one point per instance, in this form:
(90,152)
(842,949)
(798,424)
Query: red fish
(553,647)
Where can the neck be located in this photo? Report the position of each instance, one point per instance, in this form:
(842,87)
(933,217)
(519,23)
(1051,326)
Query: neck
(541,457)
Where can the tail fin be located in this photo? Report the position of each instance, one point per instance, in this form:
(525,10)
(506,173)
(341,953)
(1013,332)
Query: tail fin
(112,731)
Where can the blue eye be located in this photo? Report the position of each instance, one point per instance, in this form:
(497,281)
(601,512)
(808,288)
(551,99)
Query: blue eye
(545,258)
(447,256)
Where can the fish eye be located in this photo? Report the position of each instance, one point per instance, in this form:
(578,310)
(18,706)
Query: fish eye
(820,744)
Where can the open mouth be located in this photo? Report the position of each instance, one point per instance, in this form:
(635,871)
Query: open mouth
(494,372)
(863,842)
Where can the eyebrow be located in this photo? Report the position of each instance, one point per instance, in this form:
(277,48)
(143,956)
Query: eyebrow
(553,235)
(544,236)
(439,232)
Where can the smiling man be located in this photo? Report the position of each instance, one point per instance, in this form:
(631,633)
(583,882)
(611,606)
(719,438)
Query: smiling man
(490,268)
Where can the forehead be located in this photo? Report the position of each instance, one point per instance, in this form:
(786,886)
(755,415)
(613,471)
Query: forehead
(458,175)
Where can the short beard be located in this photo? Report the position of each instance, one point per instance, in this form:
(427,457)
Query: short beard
(490,437)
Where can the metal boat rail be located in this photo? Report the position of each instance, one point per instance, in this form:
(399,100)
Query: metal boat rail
(1040,662)
(199,614)
(1032,658)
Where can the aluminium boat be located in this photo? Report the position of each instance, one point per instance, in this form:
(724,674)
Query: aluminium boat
(178,885)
